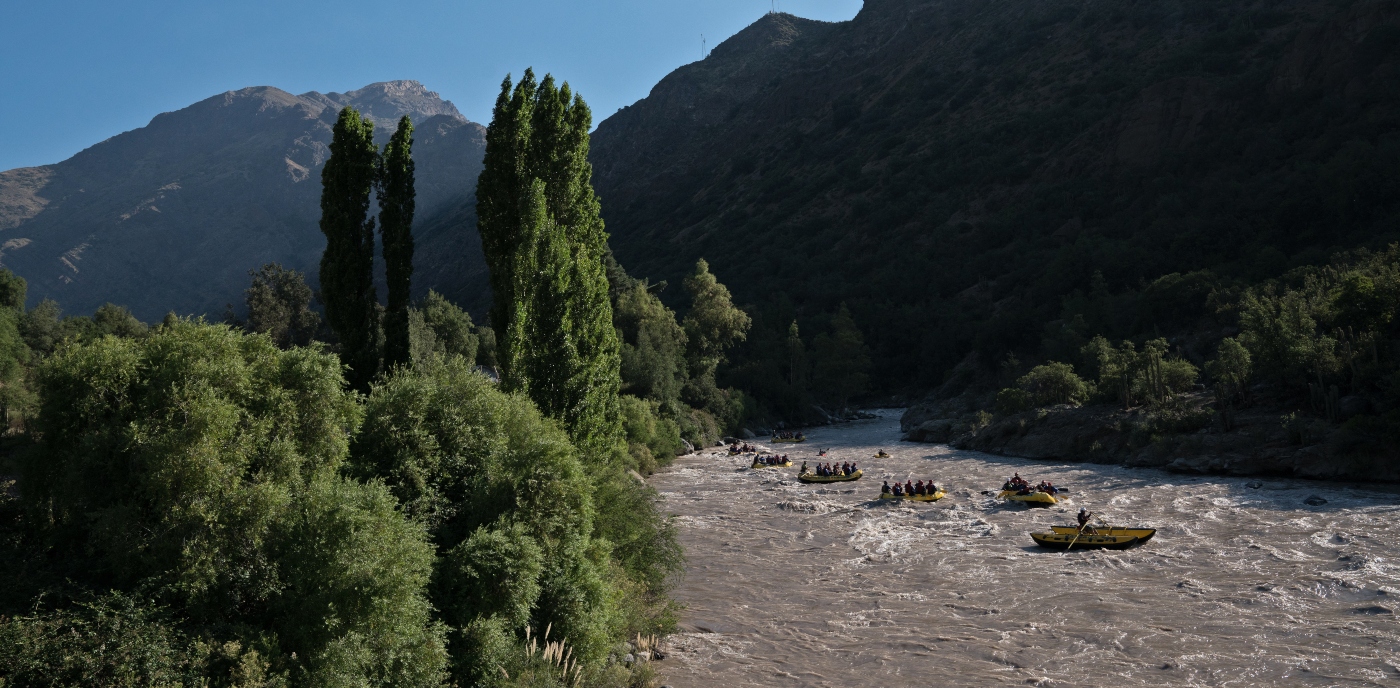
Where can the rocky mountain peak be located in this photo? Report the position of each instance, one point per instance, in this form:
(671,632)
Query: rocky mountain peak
(386,101)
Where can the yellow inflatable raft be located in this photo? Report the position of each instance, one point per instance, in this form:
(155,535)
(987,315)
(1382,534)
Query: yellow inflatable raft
(916,498)
(814,478)
(1084,540)
(785,464)
(1032,499)
(1142,534)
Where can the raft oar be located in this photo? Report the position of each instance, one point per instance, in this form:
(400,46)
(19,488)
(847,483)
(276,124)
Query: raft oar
(1077,534)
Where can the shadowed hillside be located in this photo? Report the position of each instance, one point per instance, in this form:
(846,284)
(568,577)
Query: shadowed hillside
(173,215)
(960,172)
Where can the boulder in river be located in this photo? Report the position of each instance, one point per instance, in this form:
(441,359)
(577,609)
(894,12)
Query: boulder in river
(1314,500)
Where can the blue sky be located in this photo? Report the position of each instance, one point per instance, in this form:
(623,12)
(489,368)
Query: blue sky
(74,73)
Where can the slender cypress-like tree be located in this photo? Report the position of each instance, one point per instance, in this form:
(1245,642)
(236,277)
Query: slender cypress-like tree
(347,285)
(396,205)
(542,233)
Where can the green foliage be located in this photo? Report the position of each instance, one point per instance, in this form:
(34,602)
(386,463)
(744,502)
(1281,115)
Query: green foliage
(1282,334)
(1231,368)
(110,642)
(773,366)
(543,237)
(1053,383)
(653,440)
(713,324)
(396,207)
(111,319)
(13,290)
(653,345)
(1129,375)
(486,347)
(486,473)
(355,573)
(493,573)
(42,327)
(200,464)
(347,265)
(950,214)
(16,395)
(279,305)
(841,361)
(1160,377)
(438,327)
(445,329)
(1013,400)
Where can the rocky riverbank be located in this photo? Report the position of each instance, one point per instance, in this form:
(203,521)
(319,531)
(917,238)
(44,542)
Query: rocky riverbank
(1186,437)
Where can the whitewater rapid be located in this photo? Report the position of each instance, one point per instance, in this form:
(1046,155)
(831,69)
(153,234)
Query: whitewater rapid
(790,584)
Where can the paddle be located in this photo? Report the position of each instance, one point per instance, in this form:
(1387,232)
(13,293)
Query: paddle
(1077,534)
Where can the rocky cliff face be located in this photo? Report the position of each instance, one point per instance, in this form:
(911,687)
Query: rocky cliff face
(173,215)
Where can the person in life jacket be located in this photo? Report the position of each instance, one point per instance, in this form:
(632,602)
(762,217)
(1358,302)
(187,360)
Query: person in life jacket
(1084,517)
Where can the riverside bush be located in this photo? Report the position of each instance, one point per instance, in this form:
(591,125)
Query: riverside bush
(527,536)
(1053,383)
(198,466)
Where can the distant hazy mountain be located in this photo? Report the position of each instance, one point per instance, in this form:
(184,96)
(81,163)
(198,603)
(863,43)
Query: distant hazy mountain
(173,215)
(957,170)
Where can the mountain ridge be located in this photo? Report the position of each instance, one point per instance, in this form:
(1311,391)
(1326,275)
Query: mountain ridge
(957,171)
(172,215)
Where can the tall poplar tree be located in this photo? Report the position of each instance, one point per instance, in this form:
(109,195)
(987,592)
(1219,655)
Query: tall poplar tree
(347,285)
(396,205)
(542,233)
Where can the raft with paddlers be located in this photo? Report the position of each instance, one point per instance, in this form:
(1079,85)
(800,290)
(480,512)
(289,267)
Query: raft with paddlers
(881,455)
(1085,540)
(814,478)
(937,495)
(1030,499)
(784,464)
(789,440)
(1142,534)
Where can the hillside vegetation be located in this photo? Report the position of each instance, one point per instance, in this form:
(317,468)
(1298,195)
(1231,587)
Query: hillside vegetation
(977,180)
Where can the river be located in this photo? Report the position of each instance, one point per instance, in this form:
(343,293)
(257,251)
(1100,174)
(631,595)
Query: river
(789,584)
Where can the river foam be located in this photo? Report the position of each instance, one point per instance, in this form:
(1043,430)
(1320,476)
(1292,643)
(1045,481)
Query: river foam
(1245,583)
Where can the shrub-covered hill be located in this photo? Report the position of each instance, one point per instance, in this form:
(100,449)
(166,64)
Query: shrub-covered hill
(957,170)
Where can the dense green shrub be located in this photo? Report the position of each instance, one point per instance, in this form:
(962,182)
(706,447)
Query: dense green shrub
(110,642)
(649,434)
(1013,400)
(452,329)
(1054,383)
(526,535)
(199,465)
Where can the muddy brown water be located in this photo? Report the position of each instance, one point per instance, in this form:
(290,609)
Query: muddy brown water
(790,584)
